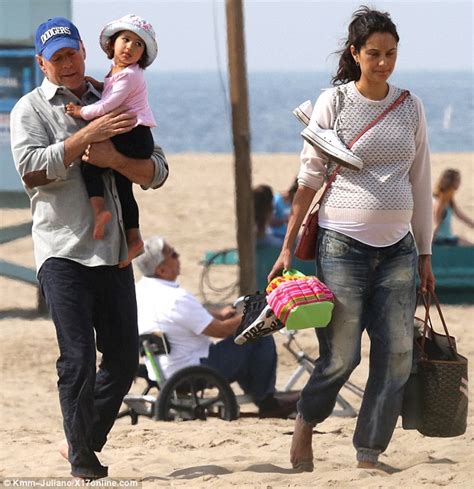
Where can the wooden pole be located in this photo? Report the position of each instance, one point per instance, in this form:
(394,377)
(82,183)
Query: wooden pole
(241,139)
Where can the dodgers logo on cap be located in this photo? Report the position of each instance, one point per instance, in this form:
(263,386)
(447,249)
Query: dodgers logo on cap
(55,34)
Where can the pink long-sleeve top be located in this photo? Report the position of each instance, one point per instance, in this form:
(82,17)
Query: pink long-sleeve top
(127,88)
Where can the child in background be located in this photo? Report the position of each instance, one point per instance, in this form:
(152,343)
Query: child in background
(263,211)
(131,43)
(281,210)
(444,206)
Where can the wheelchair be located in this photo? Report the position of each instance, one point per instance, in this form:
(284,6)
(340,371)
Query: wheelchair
(199,392)
(195,392)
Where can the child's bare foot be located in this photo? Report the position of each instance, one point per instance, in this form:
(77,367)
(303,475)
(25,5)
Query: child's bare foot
(101,220)
(135,246)
(301,453)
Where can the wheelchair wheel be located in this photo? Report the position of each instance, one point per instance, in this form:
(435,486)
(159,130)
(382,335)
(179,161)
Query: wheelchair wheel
(196,393)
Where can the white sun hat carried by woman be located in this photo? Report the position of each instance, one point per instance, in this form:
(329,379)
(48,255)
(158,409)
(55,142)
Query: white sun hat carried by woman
(139,26)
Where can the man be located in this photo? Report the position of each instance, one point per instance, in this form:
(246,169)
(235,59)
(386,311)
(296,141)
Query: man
(164,306)
(91,298)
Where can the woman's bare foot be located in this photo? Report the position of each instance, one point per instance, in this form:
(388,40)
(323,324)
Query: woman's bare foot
(63,450)
(135,246)
(301,453)
(101,220)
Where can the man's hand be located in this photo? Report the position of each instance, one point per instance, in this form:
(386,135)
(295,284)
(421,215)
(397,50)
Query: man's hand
(116,122)
(98,85)
(102,154)
(227,312)
(119,121)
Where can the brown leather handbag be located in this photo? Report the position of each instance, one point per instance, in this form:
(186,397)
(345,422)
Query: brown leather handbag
(306,247)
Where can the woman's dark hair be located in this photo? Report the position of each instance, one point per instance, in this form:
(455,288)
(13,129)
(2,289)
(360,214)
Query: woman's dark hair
(110,50)
(365,22)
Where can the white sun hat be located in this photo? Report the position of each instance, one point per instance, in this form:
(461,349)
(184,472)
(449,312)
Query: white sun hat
(139,26)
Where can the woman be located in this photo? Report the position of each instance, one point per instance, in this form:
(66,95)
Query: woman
(366,251)
(444,206)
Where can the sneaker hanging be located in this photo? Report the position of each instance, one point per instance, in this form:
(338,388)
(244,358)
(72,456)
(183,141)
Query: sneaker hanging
(261,322)
(327,141)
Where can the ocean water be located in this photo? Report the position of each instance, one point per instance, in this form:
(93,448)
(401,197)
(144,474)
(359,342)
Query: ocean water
(194,115)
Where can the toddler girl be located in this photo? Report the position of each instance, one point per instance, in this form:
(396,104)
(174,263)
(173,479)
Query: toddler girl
(131,43)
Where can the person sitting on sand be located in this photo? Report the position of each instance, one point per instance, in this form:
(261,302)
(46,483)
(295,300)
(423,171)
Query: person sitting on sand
(444,206)
(166,307)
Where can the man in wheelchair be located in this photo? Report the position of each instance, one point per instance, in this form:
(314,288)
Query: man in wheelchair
(166,307)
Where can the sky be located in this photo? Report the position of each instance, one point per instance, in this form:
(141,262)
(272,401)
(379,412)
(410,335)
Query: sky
(285,35)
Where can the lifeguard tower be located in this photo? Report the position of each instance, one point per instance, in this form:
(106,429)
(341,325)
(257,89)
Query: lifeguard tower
(19,74)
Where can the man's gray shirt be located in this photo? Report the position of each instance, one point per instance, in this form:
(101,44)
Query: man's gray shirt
(63,221)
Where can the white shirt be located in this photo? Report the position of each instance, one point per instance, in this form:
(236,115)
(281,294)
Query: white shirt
(165,306)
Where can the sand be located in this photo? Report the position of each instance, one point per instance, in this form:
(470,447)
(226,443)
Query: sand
(195,211)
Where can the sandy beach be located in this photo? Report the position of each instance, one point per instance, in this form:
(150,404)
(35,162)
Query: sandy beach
(195,212)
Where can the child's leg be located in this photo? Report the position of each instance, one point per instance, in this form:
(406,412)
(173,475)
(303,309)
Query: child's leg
(130,217)
(135,245)
(138,143)
(92,176)
(101,216)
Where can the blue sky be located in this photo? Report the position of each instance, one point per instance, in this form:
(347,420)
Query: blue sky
(290,35)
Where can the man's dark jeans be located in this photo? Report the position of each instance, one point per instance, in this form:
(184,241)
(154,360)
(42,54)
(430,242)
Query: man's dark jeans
(91,305)
(253,365)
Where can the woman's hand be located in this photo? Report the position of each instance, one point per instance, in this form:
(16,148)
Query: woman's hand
(427,278)
(282,262)
(299,207)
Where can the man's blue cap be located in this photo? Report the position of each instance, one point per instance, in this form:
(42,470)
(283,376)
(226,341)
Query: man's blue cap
(55,34)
